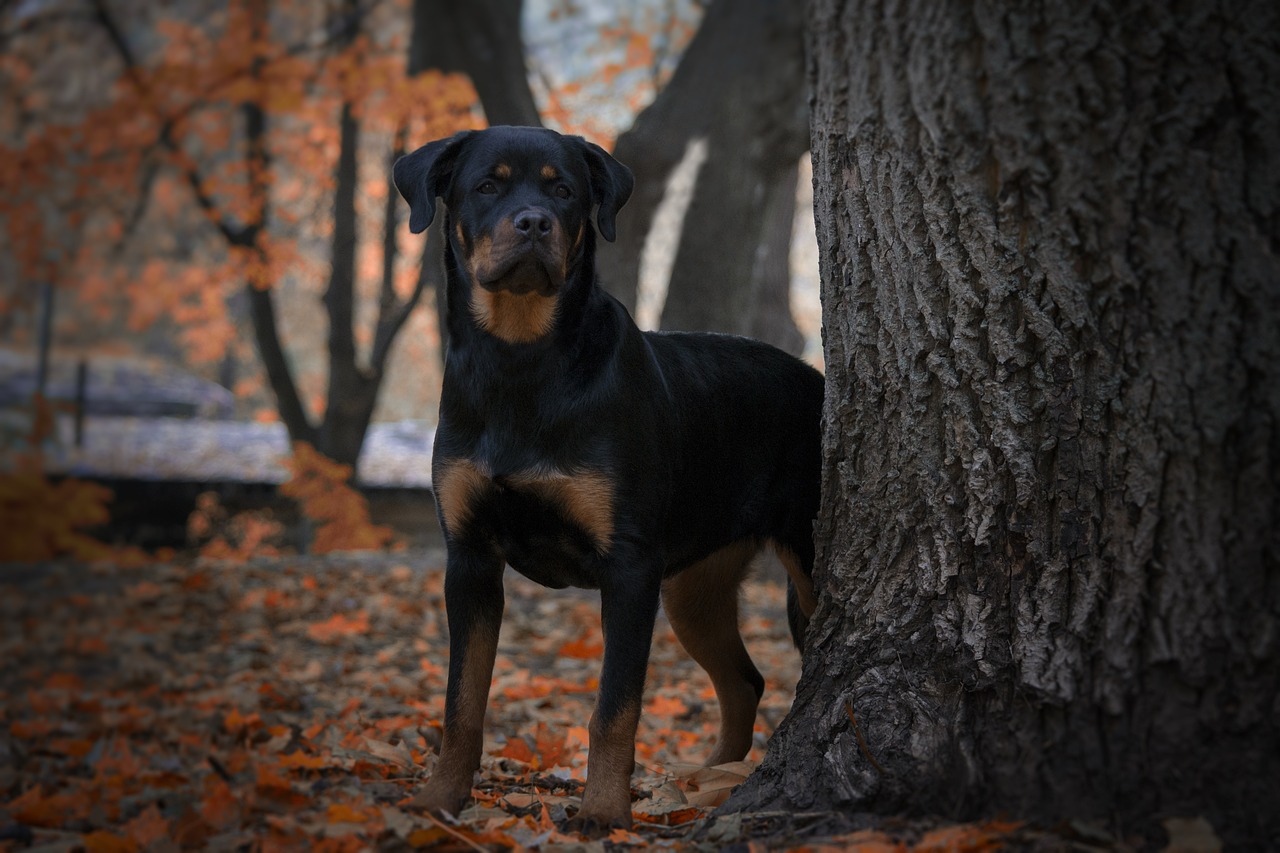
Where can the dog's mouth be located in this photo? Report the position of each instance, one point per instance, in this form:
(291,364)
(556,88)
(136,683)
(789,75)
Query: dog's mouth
(529,268)
(514,261)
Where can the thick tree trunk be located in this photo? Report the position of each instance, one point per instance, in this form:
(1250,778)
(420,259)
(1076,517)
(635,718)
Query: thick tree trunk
(1048,547)
(740,84)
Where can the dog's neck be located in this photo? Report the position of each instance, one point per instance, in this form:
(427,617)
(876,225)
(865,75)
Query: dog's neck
(478,316)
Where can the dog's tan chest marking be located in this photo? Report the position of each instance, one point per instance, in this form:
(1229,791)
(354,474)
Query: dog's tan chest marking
(584,498)
(459,483)
(517,318)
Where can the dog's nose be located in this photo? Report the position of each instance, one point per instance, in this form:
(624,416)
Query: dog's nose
(533,222)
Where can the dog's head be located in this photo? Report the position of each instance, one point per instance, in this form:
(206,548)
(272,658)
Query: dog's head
(520,201)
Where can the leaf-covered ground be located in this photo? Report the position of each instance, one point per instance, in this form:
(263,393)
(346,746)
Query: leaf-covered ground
(294,703)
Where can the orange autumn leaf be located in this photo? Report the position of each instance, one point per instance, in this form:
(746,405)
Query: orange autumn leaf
(267,780)
(551,746)
(338,626)
(63,681)
(675,817)
(74,747)
(237,723)
(625,836)
(36,809)
(27,729)
(102,841)
(148,827)
(220,808)
(302,761)
(965,838)
(667,706)
(518,748)
(343,813)
(586,647)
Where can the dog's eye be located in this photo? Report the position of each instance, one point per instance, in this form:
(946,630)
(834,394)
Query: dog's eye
(563,191)
(487,187)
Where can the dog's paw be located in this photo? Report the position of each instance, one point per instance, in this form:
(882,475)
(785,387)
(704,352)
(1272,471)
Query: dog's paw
(438,800)
(599,824)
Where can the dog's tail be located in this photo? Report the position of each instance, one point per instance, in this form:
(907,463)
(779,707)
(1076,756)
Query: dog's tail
(796,620)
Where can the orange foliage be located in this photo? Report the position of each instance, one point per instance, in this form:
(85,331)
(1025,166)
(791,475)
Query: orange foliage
(239,537)
(320,486)
(43,519)
(72,180)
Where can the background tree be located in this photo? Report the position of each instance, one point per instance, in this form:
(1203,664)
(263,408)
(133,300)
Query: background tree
(251,80)
(1048,545)
(739,86)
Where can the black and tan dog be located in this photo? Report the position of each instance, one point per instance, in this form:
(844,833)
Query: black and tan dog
(584,452)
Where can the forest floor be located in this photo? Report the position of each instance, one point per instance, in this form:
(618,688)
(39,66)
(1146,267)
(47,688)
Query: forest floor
(295,703)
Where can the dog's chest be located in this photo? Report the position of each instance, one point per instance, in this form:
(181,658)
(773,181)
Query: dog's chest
(546,522)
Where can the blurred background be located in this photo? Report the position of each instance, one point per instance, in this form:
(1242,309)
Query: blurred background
(217,333)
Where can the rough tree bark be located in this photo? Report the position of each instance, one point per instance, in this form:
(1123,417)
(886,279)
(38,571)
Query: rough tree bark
(740,84)
(1048,547)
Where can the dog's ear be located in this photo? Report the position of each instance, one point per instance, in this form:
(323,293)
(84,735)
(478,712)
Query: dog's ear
(425,174)
(611,184)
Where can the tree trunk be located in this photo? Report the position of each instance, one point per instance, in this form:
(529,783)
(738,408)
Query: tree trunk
(352,391)
(773,321)
(741,84)
(482,39)
(1048,552)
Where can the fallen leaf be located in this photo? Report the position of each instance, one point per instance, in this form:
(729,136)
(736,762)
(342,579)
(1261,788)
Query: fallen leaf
(344,813)
(107,842)
(709,787)
(586,647)
(338,627)
(148,827)
(1191,835)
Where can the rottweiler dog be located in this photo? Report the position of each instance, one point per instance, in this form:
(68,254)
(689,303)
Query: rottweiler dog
(583,452)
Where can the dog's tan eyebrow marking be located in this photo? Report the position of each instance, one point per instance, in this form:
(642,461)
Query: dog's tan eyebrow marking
(502,170)
(550,173)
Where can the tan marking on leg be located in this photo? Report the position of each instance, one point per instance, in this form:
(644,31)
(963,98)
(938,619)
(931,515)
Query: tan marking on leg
(803,583)
(585,498)
(549,172)
(611,759)
(449,787)
(458,483)
(701,603)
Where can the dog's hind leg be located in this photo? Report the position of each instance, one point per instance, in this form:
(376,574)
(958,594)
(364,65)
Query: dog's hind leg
(702,604)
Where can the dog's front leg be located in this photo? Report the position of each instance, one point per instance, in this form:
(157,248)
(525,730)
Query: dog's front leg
(629,604)
(473,602)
